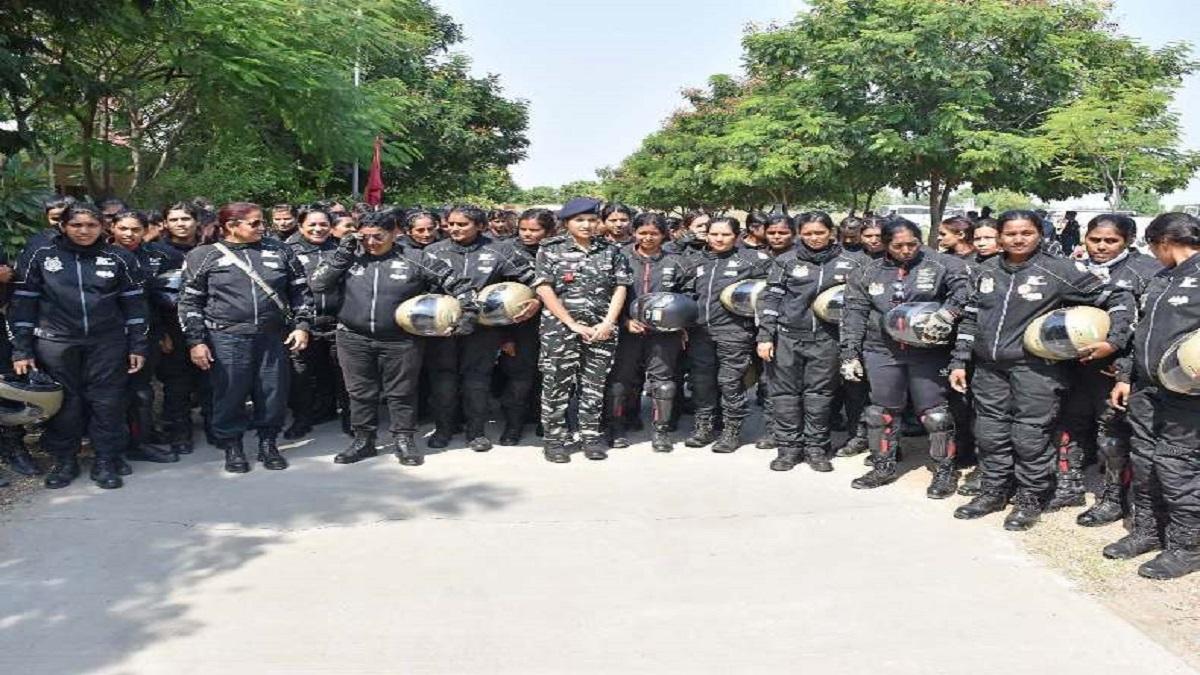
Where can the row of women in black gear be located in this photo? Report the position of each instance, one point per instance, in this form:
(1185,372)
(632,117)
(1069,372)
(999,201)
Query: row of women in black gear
(239,326)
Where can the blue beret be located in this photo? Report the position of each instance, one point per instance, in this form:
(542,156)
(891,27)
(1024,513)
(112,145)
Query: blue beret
(579,205)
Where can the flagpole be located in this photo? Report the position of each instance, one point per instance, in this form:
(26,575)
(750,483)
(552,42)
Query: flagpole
(357,77)
(354,187)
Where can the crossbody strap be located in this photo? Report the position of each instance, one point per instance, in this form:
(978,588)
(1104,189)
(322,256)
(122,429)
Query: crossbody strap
(258,281)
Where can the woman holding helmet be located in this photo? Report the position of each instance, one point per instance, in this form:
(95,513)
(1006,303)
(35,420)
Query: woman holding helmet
(1017,393)
(900,311)
(1158,388)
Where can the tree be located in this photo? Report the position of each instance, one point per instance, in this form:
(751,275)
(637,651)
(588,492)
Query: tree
(1120,138)
(192,86)
(921,95)
(1142,202)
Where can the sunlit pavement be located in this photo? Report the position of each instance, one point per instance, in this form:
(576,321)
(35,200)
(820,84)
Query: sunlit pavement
(502,562)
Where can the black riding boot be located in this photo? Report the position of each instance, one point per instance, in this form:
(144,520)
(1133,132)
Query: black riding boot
(268,454)
(406,450)
(362,447)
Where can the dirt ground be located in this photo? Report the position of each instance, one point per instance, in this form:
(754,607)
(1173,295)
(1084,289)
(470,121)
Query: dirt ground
(1169,612)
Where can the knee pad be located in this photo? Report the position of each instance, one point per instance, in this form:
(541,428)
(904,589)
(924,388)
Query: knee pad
(939,422)
(878,417)
(1113,448)
(663,390)
(938,419)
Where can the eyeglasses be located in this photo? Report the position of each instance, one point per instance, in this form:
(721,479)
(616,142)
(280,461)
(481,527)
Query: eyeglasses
(257,223)
(374,236)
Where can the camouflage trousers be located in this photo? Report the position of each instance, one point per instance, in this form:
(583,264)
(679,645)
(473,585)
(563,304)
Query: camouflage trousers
(570,365)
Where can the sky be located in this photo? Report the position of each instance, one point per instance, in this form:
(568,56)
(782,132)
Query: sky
(601,75)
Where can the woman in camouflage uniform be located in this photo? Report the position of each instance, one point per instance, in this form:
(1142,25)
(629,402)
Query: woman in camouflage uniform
(581,280)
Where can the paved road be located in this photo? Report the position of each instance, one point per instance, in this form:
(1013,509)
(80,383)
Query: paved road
(501,562)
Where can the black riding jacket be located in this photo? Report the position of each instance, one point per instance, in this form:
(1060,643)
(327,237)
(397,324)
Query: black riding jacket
(78,294)
(796,279)
(712,272)
(1170,309)
(218,295)
(372,287)
(884,283)
(310,255)
(483,261)
(1005,298)
(154,260)
(663,273)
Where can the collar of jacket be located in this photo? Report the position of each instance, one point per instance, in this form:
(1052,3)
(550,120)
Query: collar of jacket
(478,242)
(889,261)
(1014,267)
(308,246)
(821,257)
(713,255)
(594,245)
(237,246)
(64,242)
(1186,268)
(659,256)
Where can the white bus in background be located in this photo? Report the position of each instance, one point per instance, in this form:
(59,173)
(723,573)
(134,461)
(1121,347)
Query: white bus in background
(914,212)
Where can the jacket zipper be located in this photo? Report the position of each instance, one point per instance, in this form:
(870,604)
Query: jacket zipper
(1003,314)
(645,277)
(1150,330)
(708,300)
(374,297)
(253,289)
(82,299)
(820,283)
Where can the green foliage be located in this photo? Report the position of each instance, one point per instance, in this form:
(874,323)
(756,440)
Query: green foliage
(1113,139)
(1004,200)
(255,98)
(921,95)
(1142,202)
(22,192)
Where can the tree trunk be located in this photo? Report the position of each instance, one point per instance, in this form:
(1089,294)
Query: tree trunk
(87,133)
(935,206)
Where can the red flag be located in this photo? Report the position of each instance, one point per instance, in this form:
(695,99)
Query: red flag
(374,192)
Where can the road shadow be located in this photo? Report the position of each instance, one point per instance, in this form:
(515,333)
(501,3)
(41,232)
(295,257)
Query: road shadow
(90,577)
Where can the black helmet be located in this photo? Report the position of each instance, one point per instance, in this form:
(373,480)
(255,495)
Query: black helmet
(906,323)
(499,303)
(28,399)
(742,297)
(665,312)
(430,315)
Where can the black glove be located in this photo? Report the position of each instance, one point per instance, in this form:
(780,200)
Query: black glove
(349,243)
(465,325)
